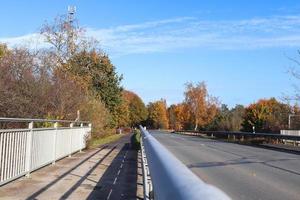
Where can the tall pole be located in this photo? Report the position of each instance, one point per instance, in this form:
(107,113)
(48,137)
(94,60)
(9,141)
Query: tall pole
(71,17)
(290,121)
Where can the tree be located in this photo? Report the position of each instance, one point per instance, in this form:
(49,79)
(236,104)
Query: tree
(177,117)
(3,50)
(136,107)
(158,117)
(228,119)
(202,107)
(65,38)
(267,115)
(95,71)
(80,58)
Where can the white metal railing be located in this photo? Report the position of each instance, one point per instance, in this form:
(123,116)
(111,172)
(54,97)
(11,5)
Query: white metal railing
(292,133)
(170,178)
(25,150)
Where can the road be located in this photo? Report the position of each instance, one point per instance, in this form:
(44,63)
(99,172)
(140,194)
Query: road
(243,172)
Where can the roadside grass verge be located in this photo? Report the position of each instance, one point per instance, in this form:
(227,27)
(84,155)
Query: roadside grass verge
(95,142)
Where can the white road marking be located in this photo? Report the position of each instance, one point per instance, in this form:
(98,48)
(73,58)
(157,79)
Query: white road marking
(115,180)
(108,196)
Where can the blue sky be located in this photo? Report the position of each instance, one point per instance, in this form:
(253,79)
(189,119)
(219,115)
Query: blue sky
(241,49)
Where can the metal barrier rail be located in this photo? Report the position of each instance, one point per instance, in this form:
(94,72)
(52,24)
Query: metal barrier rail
(291,132)
(25,150)
(171,179)
(248,134)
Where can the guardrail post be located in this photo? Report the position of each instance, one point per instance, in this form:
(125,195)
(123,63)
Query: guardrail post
(28,150)
(71,126)
(54,142)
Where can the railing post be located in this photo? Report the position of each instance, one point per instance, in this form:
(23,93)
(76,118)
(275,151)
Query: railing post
(82,135)
(54,142)
(28,150)
(71,126)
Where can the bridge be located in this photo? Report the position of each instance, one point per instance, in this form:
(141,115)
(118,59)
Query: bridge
(48,160)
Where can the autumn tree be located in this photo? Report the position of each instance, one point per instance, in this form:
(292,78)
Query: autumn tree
(157,114)
(266,115)
(81,59)
(177,116)
(202,107)
(136,108)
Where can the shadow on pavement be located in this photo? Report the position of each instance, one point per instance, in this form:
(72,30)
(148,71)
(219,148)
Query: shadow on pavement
(120,179)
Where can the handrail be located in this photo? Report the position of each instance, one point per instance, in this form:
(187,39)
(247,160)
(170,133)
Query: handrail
(171,179)
(7,119)
(23,150)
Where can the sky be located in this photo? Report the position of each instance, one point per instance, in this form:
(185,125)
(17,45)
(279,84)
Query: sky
(243,50)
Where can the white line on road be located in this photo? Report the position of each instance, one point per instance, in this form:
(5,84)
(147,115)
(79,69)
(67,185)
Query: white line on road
(108,196)
(115,180)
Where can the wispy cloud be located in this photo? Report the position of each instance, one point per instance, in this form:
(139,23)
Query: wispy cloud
(190,32)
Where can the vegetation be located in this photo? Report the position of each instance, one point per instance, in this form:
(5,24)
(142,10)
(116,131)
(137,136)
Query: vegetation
(136,139)
(228,119)
(137,111)
(201,106)
(74,74)
(267,115)
(158,116)
(96,142)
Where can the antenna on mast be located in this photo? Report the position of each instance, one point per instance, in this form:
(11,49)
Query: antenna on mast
(71,13)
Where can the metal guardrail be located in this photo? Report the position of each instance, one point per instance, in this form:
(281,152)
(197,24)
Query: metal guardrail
(170,178)
(293,133)
(245,134)
(25,150)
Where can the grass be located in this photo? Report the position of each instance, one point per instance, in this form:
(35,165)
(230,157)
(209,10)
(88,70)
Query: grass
(100,141)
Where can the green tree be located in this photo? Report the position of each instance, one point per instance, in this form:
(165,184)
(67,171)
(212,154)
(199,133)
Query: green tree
(95,71)
(228,119)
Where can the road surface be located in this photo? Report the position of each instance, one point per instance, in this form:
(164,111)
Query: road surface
(243,172)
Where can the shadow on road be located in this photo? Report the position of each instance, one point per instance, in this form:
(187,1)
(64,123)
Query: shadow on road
(243,161)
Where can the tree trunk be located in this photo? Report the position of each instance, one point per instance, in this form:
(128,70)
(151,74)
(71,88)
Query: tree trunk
(196,127)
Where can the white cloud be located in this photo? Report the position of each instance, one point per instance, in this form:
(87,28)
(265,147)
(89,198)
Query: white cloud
(188,32)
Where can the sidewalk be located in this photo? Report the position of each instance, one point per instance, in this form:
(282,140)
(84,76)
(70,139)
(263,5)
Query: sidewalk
(109,172)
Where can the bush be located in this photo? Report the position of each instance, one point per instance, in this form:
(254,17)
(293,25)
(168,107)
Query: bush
(136,140)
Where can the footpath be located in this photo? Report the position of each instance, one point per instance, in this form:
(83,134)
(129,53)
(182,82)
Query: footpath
(110,172)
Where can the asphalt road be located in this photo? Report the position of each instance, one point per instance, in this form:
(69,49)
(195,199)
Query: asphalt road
(243,172)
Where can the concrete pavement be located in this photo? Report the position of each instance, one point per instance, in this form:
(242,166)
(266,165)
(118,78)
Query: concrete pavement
(243,172)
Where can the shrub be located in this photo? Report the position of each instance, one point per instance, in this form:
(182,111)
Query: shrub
(136,140)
